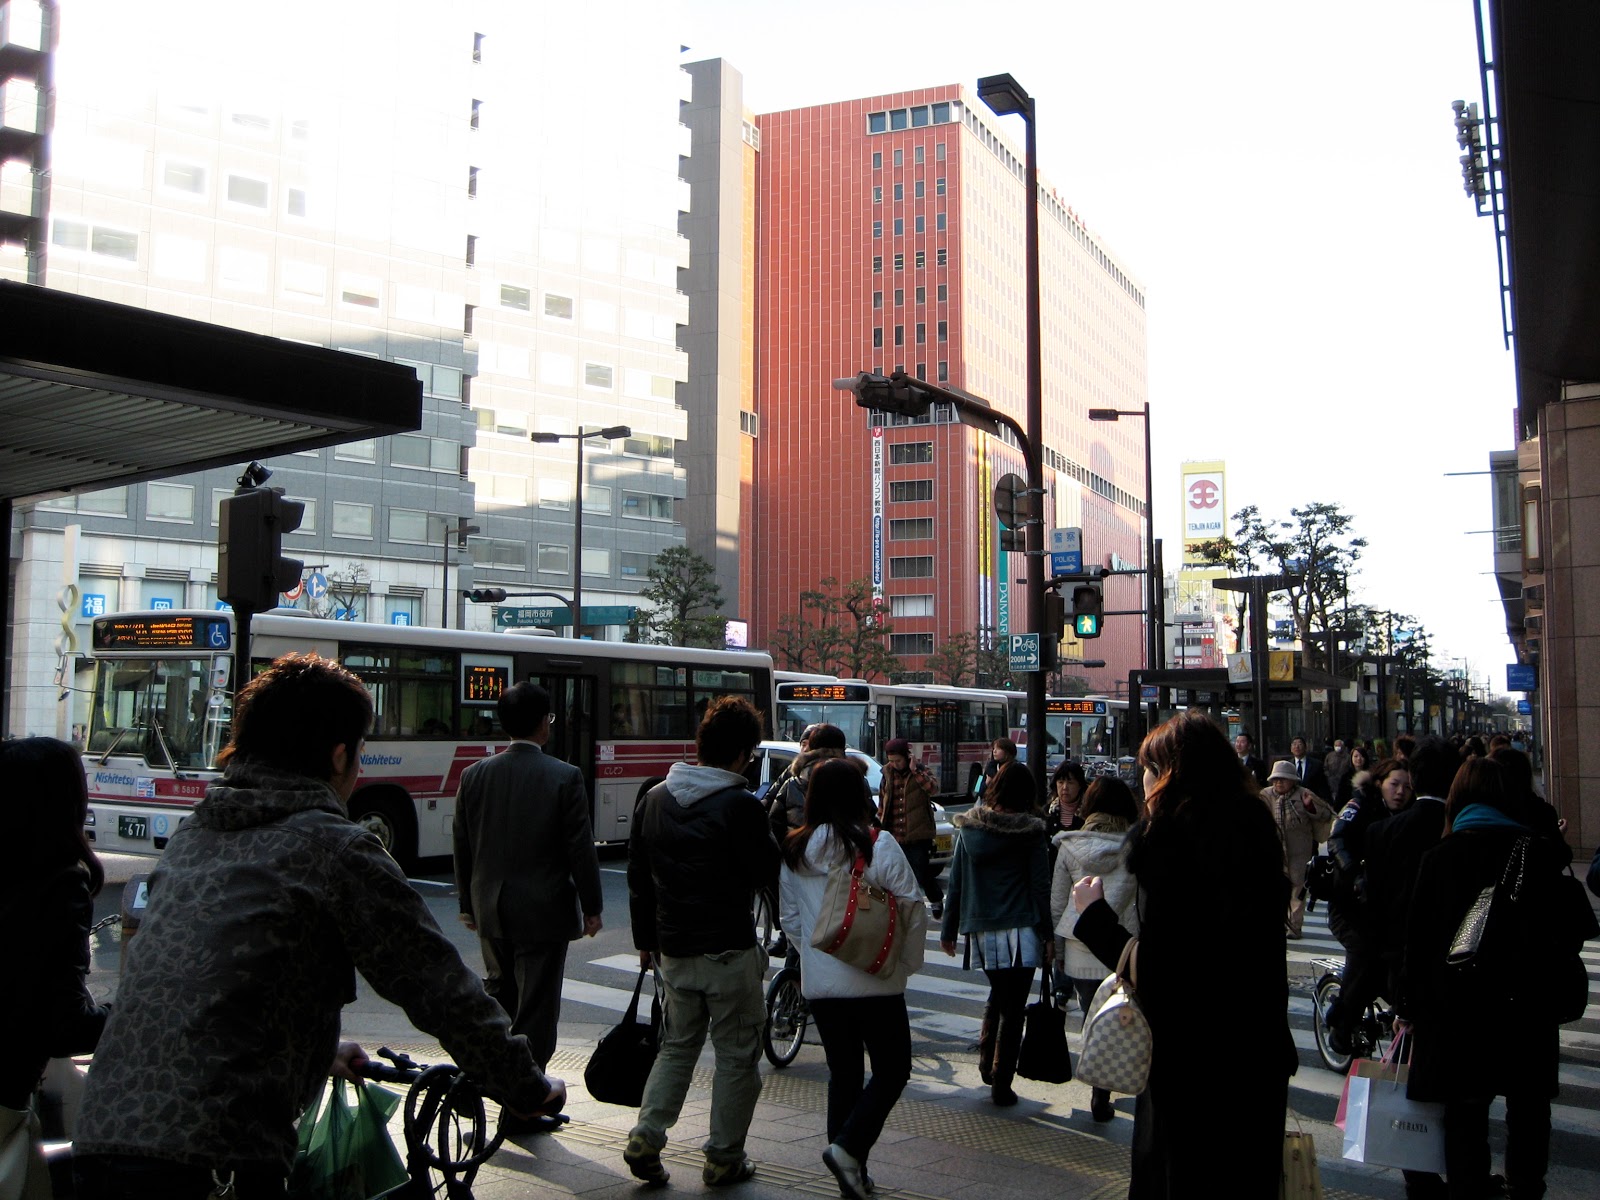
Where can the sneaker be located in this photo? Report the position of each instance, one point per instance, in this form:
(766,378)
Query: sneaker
(845,1168)
(644,1160)
(1338,1040)
(727,1174)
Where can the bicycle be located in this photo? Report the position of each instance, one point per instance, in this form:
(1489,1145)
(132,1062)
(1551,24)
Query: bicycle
(788,1017)
(1373,1030)
(445,1125)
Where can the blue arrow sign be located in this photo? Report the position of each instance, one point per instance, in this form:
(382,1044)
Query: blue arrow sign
(316,585)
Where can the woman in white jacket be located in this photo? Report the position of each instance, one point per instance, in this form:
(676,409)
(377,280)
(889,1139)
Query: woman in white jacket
(1108,811)
(855,1012)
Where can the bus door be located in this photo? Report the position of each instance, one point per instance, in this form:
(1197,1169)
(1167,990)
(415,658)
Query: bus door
(948,730)
(572,728)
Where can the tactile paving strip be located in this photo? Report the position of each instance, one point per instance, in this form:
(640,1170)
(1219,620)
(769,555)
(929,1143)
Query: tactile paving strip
(1033,1141)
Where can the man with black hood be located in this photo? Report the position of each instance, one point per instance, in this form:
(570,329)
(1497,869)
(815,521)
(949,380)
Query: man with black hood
(700,849)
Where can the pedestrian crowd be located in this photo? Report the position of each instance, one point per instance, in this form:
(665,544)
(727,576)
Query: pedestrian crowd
(268,900)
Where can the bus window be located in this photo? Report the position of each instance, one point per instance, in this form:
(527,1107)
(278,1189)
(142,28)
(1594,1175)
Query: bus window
(651,700)
(709,685)
(413,690)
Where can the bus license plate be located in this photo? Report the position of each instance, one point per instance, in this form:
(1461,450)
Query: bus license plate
(133,827)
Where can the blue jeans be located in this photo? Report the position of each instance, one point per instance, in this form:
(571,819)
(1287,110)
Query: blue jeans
(879,1027)
(720,993)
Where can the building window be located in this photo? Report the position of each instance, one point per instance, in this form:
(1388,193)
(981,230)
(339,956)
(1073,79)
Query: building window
(916,157)
(899,297)
(899,335)
(558,306)
(424,453)
(295,203)
(897,120)
(352,520)
(921,224)
(877,195)
(169,502)
(899,191)
(899,226)
(922,335)
(365,450)
(877,337)
(899,262)
(942,294)
(938,151)
(596,561)
(114,243)
(597,499)
(877,264)
(877,229)
(922,370)
(944,331)
(597,375)
(941,116)
(634,566)
(108,502)
(408,525)
(938,184)
(910,529)
(360,293)
(899,158)
(911,606)
(877,161)
(944,372)
(910,643)
(468,312)
(922,295)
(938,222)
(749,423)
(472,249)
(902,491)
(917,190)
(877,299)
(476,119)
(649,444)
(877,123)
(917,567)
(477,47)
(555,558)
(185,177)
(247,191)
(943,258)
(646,505)
(472,183)
(902,453)
(922,259)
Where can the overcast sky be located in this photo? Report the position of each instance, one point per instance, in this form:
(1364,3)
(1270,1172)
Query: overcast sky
(1283,180)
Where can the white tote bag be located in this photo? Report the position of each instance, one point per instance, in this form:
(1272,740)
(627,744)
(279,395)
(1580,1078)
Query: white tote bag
(1383,1128)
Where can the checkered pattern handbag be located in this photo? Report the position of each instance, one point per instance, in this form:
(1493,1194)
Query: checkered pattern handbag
(1117,1045)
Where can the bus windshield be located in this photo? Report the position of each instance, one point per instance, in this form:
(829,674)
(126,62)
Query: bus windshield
(159,708)
(795,715)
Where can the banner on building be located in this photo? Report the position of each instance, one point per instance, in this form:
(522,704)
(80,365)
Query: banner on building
(877,512)
(1205,506)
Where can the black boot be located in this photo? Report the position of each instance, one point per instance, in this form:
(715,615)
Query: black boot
(986,1041)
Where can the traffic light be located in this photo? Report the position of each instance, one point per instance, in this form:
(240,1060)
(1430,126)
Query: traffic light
(487,595)
(1088,610)
(251,568)
(898,393)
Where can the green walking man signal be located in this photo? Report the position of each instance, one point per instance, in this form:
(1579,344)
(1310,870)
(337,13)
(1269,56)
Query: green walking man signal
(1088,610)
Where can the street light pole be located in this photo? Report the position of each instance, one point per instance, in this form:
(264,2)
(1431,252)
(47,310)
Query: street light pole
(1155,586)
(1004,96)
(462,531)
(609,433)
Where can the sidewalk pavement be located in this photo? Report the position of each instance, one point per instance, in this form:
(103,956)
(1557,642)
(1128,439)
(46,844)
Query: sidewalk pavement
(943,1140)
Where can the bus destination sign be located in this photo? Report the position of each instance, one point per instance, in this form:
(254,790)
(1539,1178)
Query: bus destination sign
(1082,708)
(159,631)
(482,684)
(825,691)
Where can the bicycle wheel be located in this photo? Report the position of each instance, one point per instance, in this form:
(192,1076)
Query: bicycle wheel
(1325,993)
(766,921)
(787,1018)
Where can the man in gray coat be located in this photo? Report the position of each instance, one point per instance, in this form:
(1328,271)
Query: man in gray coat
(526,868)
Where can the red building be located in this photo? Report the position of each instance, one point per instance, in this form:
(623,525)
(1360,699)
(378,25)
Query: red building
(889,236)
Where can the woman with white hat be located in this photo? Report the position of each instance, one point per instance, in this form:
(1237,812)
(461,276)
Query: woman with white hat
(1303,818)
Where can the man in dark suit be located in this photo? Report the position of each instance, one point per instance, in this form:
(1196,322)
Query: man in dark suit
(1308,770)
(1245,746)
(526,868)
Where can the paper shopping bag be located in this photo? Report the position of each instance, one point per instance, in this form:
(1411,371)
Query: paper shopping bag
(1361,1068)
(1384,1128)
(1301,1179)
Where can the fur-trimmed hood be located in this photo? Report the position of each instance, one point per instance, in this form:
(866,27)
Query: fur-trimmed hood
(981,816)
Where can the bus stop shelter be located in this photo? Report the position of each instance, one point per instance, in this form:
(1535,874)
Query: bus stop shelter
(96,395)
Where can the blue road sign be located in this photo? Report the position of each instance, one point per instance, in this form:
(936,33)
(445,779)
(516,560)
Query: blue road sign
(1066,562)
(399,618)
(94,605)
(316,585)
(1522,677)
(1024,651)
(1524,707)
(160,603)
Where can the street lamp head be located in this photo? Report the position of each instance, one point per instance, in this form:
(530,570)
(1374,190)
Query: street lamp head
(1104,414)
(614,431)
(1005,96)
(547,439)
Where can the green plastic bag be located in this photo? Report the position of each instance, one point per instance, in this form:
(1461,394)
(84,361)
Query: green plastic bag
(345,1150)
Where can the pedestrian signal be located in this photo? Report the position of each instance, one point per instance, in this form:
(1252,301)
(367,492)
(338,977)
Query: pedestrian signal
(1088,610)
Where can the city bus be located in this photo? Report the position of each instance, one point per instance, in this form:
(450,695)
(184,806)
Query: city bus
(164,684)
(951,729)
(1092,730)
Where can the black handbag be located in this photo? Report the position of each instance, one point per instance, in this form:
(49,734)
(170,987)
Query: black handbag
(1044,1055)
(1322,877)
(621,1063)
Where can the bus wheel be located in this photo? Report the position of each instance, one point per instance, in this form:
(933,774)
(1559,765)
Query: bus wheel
(386,818)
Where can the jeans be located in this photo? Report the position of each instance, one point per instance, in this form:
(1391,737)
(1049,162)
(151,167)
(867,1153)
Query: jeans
(132,1177)
(525,977)
(878,1026)
(722,992)
(917,854)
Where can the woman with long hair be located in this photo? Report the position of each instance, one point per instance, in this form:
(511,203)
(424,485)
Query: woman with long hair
(999,897)
(1518,979)
(1109,811)
(1210,956)
(855,1012)
(50,877)
(1066,798)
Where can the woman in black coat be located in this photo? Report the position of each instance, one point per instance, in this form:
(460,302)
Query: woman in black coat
(49,877)
(1524,980)
(1210,957)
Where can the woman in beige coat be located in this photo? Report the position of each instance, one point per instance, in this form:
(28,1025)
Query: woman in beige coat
(1303,820)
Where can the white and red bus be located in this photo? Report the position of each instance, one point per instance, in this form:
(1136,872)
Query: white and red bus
(164,687)
(951,729)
